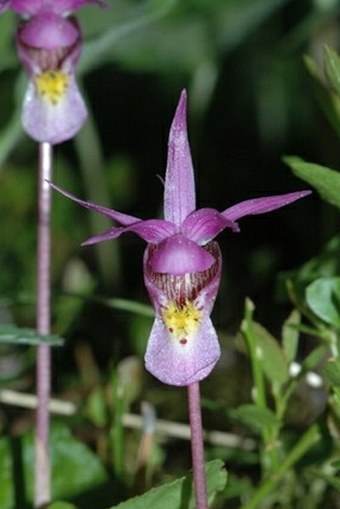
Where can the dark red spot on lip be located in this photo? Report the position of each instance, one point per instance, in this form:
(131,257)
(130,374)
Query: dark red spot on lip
(183,341)
(171,330)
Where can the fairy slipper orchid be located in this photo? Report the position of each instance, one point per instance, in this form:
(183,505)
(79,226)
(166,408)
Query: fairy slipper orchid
(49,44)
(182,263)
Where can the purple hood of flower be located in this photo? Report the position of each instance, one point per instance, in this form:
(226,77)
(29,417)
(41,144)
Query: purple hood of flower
(49,46)
(182,263)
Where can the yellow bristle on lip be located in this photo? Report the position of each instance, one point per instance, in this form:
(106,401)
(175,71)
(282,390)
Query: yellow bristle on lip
(52,85)
(182,321)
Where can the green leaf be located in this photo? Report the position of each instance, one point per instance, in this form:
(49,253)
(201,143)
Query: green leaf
(22,336)
(179,494)
(323,298)
(328,100)
(270,355)
(255,417)
(325,180)
(75,469)
(332,67)
(331,372)
(314,358)
(290,335)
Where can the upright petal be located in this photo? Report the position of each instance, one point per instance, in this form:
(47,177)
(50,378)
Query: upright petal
(203,225)
(262,205)
(179,190)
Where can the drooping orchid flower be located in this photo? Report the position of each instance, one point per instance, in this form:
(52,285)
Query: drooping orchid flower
(49,45)
(182,263)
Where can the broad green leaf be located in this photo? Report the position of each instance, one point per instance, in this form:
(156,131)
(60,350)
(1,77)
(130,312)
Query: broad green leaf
(255,417)
(325,180)
(270,355)
(11,334)
(331,372)
(179,494)
(290,335)
(332,67)
(75,469)
(323,298)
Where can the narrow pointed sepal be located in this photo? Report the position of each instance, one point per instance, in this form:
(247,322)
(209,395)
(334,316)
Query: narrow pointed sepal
(179,188)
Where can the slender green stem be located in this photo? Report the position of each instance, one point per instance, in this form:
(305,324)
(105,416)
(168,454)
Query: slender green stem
(197,447)
(310,437)
(43,370)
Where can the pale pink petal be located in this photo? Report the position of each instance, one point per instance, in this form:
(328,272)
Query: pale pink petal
(51,122)
(180,364)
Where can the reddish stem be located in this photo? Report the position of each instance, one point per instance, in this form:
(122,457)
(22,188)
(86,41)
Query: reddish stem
(197,447)
(43,369)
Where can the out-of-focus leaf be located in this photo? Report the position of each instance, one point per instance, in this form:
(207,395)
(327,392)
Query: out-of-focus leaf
(270,355)
(325,180)
(75,469)
(10,334)
(328,100)
(332,67)
(179,494)
(331,372)
(323,298)
(290,335)
(314,358)
(255,417)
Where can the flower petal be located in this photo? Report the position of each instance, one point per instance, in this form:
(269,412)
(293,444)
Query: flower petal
(176,363)
(203,225)
(262,205)
(151,230)
(179,189)
(51,121)
(48,30)
(121,218)
(179,255)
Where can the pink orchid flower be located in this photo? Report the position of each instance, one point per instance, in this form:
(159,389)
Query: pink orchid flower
(182,263)
(49,45)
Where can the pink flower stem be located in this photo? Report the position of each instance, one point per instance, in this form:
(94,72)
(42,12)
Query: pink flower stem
(197,447)
(43,314)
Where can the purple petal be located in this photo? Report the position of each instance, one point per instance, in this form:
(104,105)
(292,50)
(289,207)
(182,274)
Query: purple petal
(53,121)
(48,30)
(203,225)
(121,218)
(151,230)
(179,189)
(177,363)
(178,255)
(262,205)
